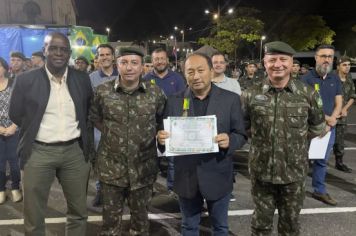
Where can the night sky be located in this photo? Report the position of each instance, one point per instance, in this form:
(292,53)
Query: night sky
(142,20)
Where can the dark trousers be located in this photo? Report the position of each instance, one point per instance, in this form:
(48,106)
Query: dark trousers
(68,164)
(8,154)
(191,212)
(287,198)
(113,206)
(339,145)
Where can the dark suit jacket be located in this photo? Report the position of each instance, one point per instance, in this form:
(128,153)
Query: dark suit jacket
(210,174)
(29,100)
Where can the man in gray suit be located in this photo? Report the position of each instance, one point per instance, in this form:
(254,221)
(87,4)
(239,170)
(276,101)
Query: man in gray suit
(50,105)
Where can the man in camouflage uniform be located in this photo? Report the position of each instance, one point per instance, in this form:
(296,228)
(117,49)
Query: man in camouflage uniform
(127,112)
(295,69)
(280,112)
(348,92)
(250,77)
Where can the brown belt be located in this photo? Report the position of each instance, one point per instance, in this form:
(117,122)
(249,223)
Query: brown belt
(62,143)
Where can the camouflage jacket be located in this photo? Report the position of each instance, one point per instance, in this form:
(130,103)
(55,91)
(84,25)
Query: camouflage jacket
(127,149)
(280,122)
(246,82)
(348,92)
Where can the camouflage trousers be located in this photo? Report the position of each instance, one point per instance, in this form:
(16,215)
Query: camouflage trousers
(287,198)
(113,205)
(339,145)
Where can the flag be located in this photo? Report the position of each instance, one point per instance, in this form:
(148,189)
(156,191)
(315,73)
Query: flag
(174,52)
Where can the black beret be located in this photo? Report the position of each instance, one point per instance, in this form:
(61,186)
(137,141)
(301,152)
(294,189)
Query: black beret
(18,55)
(251,62)
(343,59)
(123,51)
(279,47)
(38,54)
(147,59)
(82,58)
(295,61)
(306,66)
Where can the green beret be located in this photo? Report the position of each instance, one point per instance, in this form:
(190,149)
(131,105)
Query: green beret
(130,51)
(18,55)
(82,58)
(278,47)
(295,61)
(343,59)
(38,54)
(147,59)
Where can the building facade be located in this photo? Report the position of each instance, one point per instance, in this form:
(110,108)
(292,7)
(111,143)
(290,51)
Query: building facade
(57,12)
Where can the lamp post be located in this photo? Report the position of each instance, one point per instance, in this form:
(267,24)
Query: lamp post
(262,38)
(182,31)
(108,31)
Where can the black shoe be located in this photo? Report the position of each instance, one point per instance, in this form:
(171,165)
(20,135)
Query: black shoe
(343,167)
(98,199)
(325,198)
(232,198)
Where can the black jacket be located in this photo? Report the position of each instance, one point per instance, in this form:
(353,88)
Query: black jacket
(210,174)
(29,101)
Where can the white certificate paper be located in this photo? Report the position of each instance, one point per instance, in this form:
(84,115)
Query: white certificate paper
(318,147)
(191,135)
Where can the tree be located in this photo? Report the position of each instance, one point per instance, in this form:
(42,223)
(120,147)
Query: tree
(230,30)
(305,32)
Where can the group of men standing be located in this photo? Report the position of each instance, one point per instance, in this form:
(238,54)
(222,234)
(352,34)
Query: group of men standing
(56,108)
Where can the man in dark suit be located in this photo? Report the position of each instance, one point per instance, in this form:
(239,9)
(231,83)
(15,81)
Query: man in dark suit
(206,176)
(50,105)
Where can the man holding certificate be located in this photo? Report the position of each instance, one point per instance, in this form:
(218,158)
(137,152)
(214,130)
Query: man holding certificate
(210,129)
(281,113)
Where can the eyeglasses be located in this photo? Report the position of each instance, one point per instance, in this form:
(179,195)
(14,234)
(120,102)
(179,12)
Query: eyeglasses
(157,59)
(53,49)
(326,56)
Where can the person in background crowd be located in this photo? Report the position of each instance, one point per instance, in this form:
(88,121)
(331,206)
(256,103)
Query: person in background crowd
(250,77)
(280,113)
(304,69)
(147,65)
(17,64)
(171,83)
(127,112)
(348,93)
(9,138)
(296,69)
(330,88)
(208,176)
(81,63)
(54,142)
(37,59)
(106,72)
(219,78)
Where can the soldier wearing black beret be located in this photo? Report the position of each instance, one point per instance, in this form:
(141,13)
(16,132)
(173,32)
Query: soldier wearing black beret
(296,69)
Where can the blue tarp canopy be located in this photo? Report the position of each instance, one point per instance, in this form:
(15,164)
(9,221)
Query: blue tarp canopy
(23,39)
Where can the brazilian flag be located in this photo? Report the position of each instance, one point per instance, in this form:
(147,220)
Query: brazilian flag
(97,39)
(80,39)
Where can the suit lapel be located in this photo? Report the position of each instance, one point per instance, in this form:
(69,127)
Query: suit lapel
(213,100)
(45,89)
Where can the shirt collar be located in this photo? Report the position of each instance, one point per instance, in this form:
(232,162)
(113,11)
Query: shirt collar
(52,77)
(102,74)
(267,86)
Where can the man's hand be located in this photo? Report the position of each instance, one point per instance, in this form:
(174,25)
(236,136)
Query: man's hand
(326,130)
(2,130)
(344,112)
(9,131)
(222,140)
(162,136)
(331,120)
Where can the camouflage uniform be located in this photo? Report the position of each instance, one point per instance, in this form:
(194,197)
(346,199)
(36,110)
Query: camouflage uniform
(348,92)
(295,76)
(280,121)
(126,163)
(246,82)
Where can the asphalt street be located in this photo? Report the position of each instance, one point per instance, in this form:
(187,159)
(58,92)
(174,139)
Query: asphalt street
(316,217)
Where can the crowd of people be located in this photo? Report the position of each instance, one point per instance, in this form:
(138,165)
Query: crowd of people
(58,121)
